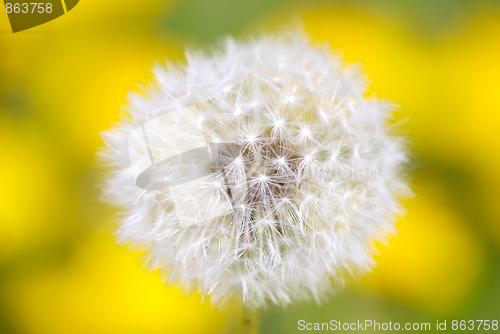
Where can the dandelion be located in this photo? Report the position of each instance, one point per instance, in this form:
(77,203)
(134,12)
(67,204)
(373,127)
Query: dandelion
(257,173)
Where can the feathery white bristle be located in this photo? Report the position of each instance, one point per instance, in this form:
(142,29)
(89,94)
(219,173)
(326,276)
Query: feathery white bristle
(259,172)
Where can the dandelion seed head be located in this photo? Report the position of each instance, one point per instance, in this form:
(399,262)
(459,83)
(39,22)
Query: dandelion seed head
(258,172)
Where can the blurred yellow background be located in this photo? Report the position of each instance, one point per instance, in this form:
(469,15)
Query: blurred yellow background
(64,82)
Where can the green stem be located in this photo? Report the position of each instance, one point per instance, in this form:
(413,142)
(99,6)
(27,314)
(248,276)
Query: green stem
(249,321)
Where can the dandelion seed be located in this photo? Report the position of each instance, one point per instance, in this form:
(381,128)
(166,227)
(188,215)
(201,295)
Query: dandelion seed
(240,172)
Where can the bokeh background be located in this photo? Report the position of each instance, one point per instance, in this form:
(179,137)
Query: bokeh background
(64,82)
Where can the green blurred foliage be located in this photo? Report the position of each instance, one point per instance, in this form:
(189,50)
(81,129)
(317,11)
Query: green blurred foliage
(202,21)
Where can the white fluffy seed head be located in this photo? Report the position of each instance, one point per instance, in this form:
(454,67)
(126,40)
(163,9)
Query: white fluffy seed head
(259,172)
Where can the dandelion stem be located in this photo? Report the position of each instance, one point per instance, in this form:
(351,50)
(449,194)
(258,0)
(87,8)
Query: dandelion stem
(249,321)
